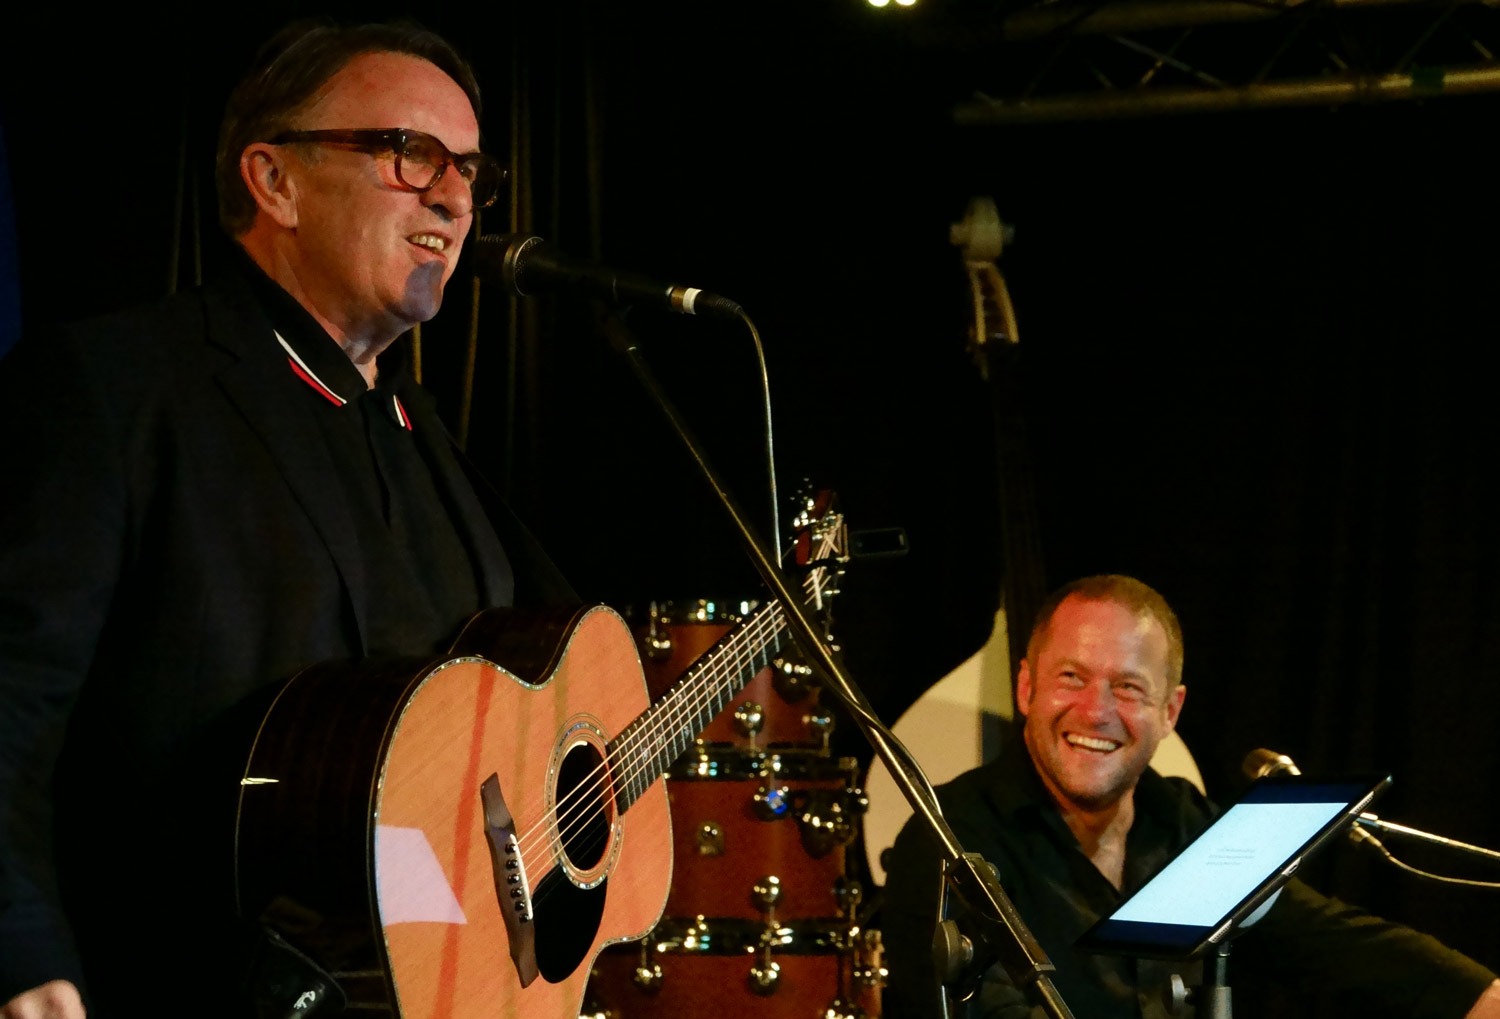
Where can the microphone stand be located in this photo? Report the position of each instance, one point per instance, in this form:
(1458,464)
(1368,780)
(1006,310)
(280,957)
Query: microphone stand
(1371,821)
(994,929)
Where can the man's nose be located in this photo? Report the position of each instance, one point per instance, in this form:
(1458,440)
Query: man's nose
(1095,699)
(451,193)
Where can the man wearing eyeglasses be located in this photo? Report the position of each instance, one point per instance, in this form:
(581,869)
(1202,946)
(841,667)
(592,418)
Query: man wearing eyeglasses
(206,497)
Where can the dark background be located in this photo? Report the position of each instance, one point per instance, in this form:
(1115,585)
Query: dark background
(1254,366)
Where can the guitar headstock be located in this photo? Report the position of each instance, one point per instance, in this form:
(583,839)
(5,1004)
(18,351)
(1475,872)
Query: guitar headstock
(820,544)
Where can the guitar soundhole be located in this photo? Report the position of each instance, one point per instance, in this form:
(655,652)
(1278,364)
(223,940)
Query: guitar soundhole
(583,799)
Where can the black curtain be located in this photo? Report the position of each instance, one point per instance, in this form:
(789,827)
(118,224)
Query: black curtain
(1253,364)
(1256,378)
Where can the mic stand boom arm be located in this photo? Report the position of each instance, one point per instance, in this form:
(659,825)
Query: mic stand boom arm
(1372,821)
(999,934)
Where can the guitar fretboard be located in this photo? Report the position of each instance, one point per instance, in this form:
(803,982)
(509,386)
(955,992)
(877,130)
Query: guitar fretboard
(645,749)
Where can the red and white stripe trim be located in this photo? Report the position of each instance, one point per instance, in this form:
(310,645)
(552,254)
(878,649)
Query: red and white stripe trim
(306,374)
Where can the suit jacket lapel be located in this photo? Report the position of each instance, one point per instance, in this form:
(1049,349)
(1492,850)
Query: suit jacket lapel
(264,390)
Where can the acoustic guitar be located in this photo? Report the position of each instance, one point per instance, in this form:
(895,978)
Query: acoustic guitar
(461,837)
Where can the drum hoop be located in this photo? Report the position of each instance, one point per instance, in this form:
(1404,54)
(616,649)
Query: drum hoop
(692,611)
(738,936)
(709,763)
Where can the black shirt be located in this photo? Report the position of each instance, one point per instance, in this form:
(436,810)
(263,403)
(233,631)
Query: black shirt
(401,500)
(1001,811)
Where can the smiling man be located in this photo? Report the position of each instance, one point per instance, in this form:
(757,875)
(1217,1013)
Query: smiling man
(1104,691)
(1074,818)
(239,483)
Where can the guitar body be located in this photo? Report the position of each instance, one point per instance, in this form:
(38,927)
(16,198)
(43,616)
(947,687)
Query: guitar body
(447,837)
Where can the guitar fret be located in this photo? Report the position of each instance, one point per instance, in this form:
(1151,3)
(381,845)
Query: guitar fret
(694,700)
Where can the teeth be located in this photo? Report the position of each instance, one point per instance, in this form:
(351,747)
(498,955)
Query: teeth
(1091,742)
(429,241)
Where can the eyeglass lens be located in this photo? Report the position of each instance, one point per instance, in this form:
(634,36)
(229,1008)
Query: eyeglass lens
(423,160)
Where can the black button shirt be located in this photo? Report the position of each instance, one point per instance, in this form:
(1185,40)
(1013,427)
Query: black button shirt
(1306,942)
(418,561)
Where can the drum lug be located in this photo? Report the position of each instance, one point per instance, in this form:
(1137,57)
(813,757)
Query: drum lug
(710,839)
(648,976)
(791,680)
(819,721)
(869,960)
(658,638)
(848,892)
(825,819)
(749,719)
(771,802)
(765,893)
(764,980)
(765,976)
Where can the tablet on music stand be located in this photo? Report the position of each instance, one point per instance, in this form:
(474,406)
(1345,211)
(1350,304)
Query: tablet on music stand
(1234,868)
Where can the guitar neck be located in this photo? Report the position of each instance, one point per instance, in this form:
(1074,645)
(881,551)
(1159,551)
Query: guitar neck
(645,749)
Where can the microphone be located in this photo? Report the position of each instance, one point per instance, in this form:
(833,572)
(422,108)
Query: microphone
(529,265)
(1261,763)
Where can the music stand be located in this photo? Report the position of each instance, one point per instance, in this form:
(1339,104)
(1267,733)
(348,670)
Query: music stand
(1229,876)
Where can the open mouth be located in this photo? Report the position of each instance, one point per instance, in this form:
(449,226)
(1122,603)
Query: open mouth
(432,242)
(1093,744)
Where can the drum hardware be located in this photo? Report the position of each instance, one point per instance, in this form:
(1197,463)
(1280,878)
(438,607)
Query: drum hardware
(820,721)
(765,893)
(765,976)
(848,892)
(737,936)
(758,921)
(704,761)
(657,642)
(648,975)
(699,762)
(694,935)
(827,819)
(841,1009)
(710,840)
(749,719)
(791,680)
(770,803)
(869,961)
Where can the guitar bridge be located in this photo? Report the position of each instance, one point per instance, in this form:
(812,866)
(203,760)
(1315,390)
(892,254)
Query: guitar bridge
(512,889)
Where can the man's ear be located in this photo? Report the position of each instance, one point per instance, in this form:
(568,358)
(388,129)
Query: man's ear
(1174,705)
(263,168)
(1023,687)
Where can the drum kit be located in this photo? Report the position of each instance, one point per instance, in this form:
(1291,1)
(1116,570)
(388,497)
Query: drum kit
(763,916)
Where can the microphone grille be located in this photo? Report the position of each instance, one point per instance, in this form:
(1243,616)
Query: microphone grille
(1261,763)
(504,257)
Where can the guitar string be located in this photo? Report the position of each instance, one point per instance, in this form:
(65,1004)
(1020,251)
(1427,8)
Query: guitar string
(581,805)
(746,653)
(586,804)
(739,648)
(554,846)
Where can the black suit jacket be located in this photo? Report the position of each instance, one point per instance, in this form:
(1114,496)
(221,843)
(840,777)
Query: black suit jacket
(170,547)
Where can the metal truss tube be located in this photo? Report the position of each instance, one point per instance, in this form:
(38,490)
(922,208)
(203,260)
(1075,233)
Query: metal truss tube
(1340,90)
(1141,15)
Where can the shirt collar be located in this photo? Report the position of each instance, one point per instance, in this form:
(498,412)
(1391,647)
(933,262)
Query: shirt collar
(316,358)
